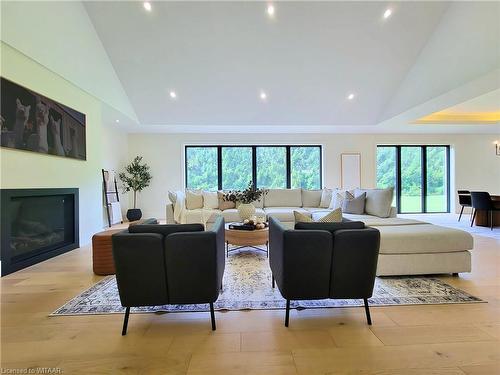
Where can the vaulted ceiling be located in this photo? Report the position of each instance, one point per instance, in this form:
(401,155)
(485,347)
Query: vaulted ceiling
(308,58)
(219,56)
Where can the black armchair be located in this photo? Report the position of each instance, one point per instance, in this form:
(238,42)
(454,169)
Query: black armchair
(169,264)
(324,260)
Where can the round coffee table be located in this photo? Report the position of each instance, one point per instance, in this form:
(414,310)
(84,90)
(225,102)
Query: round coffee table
(247,238)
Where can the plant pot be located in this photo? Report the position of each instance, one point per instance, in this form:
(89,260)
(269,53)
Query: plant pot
(134,214)
(246,210)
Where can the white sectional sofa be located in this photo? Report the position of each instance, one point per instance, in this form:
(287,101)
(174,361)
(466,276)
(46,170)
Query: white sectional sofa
(408,247)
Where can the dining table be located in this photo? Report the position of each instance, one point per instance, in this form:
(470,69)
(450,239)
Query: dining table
(483,217)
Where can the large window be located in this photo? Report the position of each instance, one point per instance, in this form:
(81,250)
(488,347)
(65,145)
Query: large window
(201,168)
(419,174)
(234,167)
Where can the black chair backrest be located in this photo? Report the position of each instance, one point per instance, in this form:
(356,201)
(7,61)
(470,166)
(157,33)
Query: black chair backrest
(464,198)
(481,200)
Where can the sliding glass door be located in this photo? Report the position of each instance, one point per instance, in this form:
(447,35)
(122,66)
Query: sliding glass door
(411,179)
(419,175)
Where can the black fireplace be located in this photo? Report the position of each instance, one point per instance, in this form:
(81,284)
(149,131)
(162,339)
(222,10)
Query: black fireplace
(37,224)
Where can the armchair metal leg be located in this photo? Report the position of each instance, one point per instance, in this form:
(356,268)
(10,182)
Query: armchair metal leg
(367,311)
(125,321)
(473,218)
(287,312)
(273,282)
(212,316)
(461,212)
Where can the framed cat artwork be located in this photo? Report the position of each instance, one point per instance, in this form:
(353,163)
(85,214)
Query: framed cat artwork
(32,122)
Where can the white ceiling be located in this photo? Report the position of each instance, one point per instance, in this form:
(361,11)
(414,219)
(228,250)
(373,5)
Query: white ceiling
(218,56)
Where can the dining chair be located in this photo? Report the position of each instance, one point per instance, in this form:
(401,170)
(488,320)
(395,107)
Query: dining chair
(464,200)
(481,200)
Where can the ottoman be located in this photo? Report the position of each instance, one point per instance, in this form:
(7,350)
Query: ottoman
(102,252)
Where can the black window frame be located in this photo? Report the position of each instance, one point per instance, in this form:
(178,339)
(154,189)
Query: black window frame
(423,182)
(254,147)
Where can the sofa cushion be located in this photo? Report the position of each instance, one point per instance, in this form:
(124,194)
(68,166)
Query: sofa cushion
(284,213)
(326,198)
(422,239)
(283,198)
(337,199)
(311,198)
(354,205)
(378,201)
(223,204)
(210,200)
(194,200)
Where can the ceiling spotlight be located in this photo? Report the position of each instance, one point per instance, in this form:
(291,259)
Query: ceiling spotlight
(350,96)
(173,94)
(147,6)
(117,121)
(387,13)
(270,10)
(263,95)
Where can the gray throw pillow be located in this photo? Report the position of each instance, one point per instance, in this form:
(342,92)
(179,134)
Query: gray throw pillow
(354,205)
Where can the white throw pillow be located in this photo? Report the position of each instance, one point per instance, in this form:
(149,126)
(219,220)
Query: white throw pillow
(194,200)
(210,200)
(172,195)
(326,198)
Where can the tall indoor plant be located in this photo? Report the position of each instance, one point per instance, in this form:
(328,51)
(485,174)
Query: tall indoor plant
(135,178)
(245,198)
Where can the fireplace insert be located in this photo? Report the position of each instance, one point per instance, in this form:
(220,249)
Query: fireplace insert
(37,224)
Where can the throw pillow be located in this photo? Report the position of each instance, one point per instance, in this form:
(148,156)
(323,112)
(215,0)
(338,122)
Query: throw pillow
(333,217)
(352,205)
(172,196)
(210,200)
(301,218)
(224,205)
(337,200)
(326,198)
(194,200)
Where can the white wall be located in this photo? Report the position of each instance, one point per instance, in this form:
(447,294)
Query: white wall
(61,36)
(23,169)
(476,166)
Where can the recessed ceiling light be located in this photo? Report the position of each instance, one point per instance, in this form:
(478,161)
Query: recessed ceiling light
(270,10)
(350,96)
(117,121)
(387,13)
(263,95)
(173,94)
(147,6)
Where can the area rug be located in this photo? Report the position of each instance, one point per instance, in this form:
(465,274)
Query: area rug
(247,286)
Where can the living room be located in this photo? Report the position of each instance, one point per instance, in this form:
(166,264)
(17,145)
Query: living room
(315,104)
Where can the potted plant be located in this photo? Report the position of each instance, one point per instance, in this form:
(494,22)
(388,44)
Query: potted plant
(136,177)
(245,198)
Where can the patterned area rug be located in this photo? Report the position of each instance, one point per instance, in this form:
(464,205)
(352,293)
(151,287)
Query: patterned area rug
(247,285)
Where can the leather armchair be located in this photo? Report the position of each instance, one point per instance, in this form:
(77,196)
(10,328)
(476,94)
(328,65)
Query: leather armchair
(169,264)
(324,260)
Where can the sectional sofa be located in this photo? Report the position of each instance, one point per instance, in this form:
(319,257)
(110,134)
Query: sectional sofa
(407,247)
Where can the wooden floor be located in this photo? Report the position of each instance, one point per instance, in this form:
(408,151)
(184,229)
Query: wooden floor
(410,340)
